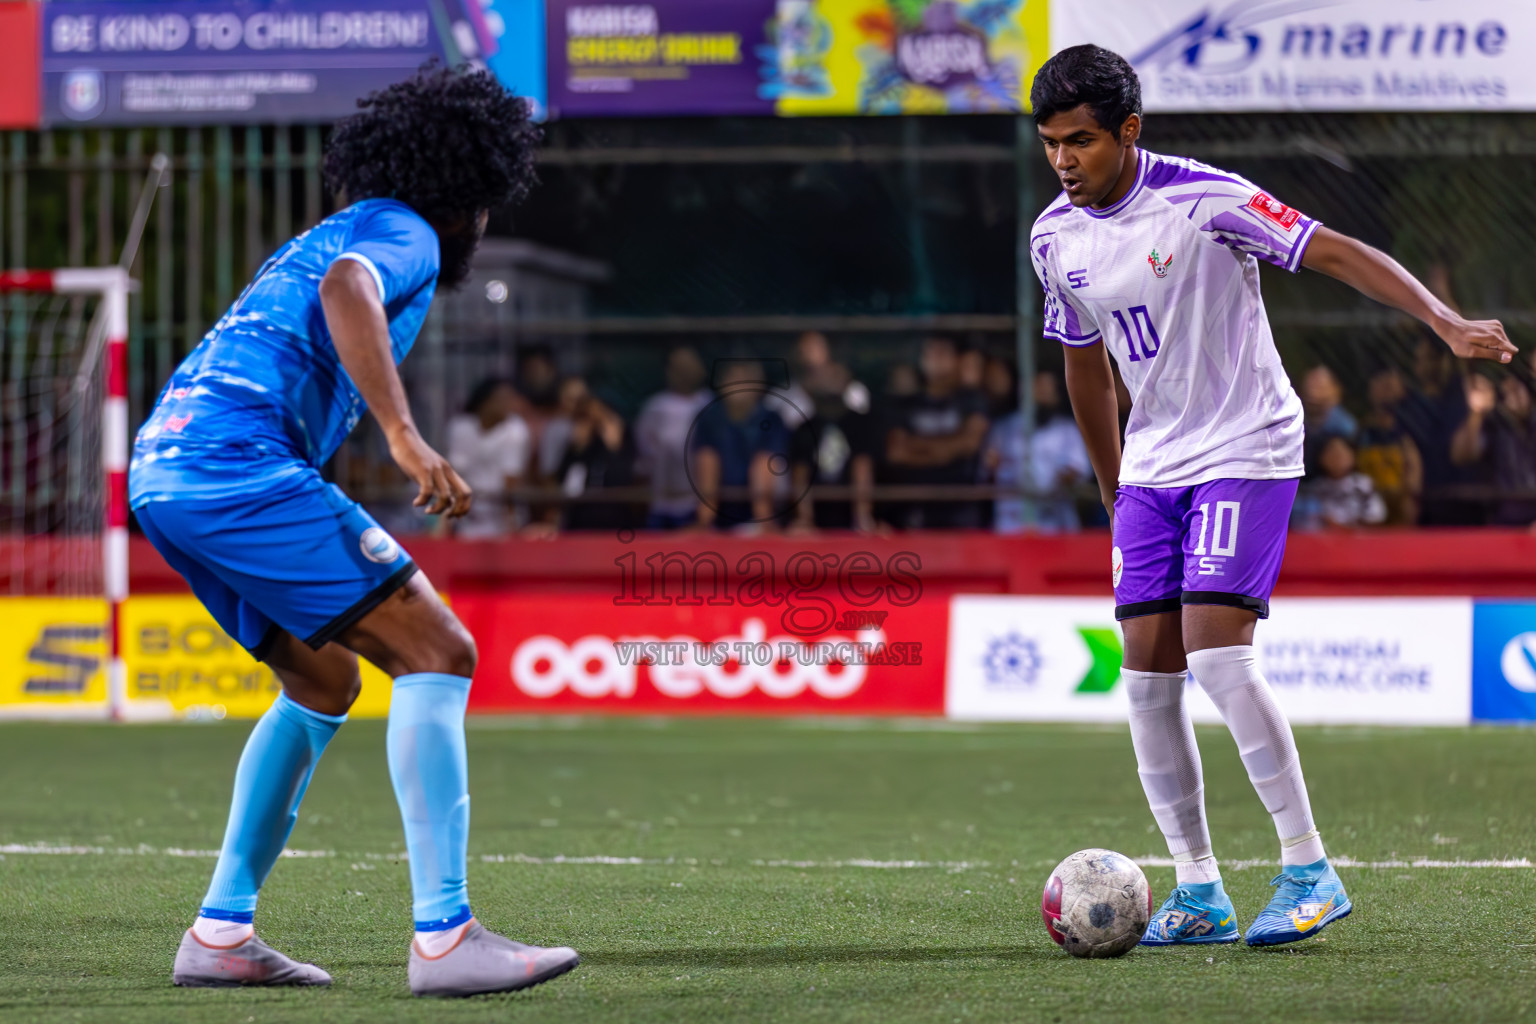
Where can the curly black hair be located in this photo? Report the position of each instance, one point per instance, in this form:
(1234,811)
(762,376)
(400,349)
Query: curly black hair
(446,142)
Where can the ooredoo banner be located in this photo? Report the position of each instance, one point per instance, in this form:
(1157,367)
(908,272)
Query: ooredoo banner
(1200,55)
(1382,661)
(579,652)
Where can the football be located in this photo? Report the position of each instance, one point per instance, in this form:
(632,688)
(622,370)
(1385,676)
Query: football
(1096,904)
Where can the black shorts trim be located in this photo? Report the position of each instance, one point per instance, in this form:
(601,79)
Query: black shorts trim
(1253,604)
(375,597)
(264,647)
(1140,608)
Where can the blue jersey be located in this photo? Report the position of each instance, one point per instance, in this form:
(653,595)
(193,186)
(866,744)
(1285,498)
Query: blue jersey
(264,395)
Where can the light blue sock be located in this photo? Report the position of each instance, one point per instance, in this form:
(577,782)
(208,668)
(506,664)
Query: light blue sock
(274,772)
(428,766)
(1207,892)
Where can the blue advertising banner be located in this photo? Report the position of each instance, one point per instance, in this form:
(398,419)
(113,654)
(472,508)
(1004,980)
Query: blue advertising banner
(1504,661)
(259,61)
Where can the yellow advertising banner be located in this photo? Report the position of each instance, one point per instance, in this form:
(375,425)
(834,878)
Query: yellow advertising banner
(176,652)
(52,653)
(840,57)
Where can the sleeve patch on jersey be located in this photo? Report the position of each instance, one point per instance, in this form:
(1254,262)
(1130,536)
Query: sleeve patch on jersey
(1275,210)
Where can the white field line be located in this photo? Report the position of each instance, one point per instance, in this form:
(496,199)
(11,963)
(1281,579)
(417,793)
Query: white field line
(143,850)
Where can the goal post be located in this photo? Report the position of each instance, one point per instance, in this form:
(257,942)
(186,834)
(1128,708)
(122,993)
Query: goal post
(64,471)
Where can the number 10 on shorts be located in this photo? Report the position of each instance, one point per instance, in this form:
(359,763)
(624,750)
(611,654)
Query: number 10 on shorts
(1224,526)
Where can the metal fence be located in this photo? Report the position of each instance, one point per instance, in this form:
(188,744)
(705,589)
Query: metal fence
(733,233)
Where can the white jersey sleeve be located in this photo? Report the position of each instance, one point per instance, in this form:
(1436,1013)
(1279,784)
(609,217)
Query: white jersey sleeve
(1242,216)
(1066,320)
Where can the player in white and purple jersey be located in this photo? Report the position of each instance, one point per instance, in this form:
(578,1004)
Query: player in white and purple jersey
(1154,260)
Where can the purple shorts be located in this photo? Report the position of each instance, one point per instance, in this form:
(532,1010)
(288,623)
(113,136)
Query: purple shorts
(1214,543)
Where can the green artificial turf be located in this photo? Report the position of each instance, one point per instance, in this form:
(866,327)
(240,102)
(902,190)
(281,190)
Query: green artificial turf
(714,926)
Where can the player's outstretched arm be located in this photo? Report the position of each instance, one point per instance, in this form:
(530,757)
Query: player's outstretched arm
(360,331)
(1375,274)
(1091,387)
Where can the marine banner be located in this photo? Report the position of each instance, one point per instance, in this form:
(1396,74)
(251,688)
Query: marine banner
(1251,55)
(667,57)
(838,57)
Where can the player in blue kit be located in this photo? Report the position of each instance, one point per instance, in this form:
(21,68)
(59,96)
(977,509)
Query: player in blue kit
(225,481)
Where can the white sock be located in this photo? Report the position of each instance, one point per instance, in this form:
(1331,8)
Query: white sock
(435,944)
(1169,765)
(211,931)
(1240,692)
(1196,870)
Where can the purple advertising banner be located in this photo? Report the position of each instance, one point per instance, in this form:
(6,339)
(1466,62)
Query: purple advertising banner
(220,61)
(666,57)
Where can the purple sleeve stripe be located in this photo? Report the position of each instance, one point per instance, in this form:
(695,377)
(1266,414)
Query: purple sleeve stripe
(1299,250)
(1053,212)
(1091,339)
(1167,174)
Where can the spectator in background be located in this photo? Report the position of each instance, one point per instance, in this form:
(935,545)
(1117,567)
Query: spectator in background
(739,443)
(661,441)
(937,439)
(972,368)
(1387,453)
(1000,387)
(1436,405)
(836,447)
(1324,417)
(1500,434)
(490,446)
(538,390)
(812,354)
(1058,461)
(1338,496)
(591,456)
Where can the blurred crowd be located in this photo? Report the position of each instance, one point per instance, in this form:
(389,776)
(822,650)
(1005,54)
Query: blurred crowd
(1440,443)
(796,444)
(801,444)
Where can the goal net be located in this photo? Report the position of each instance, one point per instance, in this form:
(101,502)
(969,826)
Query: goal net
(63,491)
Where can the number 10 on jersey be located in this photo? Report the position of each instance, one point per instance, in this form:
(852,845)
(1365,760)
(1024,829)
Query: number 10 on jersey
(1146,333)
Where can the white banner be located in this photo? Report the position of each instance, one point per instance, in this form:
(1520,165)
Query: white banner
(1204,55)
(1374,661)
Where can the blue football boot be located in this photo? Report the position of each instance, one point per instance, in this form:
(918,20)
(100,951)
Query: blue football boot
(1307,899)
(1193,915)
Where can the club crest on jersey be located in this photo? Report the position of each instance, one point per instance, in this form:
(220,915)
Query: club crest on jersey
(1159,265)
(1275,210)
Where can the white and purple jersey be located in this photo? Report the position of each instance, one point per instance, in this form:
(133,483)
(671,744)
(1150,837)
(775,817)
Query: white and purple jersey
(1168,278)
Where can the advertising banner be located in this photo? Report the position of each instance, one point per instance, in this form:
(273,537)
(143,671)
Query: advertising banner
(1504,661)
(666,57)
(18,64)
(1381,661)
(177,653)
(581,653)
(52,653)
(909,56)
(110,62)
(1204,55)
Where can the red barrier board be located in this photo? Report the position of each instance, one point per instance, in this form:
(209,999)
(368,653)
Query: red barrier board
(19,73)
(578,652)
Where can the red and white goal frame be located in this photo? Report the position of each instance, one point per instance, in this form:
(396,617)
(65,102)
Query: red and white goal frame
(107,341)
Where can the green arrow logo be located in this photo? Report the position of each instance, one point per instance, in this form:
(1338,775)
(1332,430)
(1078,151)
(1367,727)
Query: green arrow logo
(1104,646)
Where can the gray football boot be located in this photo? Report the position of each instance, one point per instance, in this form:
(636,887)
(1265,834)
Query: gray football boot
(252,962)
(483,961)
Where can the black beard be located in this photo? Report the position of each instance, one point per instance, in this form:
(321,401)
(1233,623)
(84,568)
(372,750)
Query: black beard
(456,255)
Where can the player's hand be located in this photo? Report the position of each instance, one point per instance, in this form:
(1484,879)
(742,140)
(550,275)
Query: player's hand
(1477,339)
(442,491)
